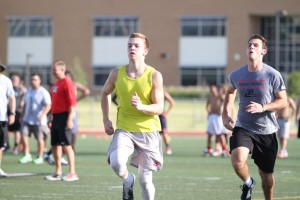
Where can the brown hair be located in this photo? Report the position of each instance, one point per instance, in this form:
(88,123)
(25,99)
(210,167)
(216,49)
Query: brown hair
(260,37)
(142,36)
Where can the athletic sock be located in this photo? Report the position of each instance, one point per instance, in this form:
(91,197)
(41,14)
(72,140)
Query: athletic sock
(128,180)
(248,182)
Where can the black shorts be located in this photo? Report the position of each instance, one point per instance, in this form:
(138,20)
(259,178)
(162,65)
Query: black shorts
(163,123)
(16,126)
(262,147)
(60,135)
(3,134)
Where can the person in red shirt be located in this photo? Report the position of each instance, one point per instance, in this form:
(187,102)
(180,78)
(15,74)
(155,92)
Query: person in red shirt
(62,110)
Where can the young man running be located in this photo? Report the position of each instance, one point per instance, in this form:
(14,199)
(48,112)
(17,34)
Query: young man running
(139,88)
(261,92)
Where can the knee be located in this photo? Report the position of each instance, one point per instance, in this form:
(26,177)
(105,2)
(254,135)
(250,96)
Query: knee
(145,180)
(118,168)
(145,184)
(267,179)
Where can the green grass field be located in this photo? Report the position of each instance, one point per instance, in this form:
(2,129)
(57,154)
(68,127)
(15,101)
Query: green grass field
(188,115)
(186,175)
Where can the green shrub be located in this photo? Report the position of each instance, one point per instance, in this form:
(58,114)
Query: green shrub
(187,91)
(293,83)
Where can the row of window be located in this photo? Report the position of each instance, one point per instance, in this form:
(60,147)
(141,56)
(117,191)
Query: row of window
(116,26)
(191,26)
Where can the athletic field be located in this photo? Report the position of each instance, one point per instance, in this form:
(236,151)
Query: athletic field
(186,175)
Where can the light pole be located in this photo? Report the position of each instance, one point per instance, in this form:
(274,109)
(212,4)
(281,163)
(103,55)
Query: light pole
(278,15)
(27,69)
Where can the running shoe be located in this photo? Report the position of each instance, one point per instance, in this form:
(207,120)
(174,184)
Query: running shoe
(38,160)
(225,153)
(15,151)
(54,177)
(25,159)
(64,162)
(128,191)
(247,191)
(2,173)
(70,177)
(49,159)
(207,153)
(216,153)
(168,151)
(282,154)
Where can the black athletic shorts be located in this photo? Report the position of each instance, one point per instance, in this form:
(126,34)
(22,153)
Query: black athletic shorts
(16,126)
(60,135)
(3,134)
(262,147)
(163,123)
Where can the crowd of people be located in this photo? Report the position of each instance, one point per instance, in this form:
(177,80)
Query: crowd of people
(263,116)
(40,112)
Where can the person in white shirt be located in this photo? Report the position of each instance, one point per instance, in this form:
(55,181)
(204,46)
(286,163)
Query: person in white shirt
(7,97)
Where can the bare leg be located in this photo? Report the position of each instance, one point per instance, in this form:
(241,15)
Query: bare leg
(166,139)
(26,145)
(71,158)
(74,137)
(283,143)
(239,158)
(57,153)
(0,157)
(41,147)
(267,183)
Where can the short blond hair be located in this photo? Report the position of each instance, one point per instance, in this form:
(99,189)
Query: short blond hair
(142,36)
(60,63)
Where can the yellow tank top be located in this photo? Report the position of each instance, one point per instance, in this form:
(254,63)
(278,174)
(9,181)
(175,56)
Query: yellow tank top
(128,118)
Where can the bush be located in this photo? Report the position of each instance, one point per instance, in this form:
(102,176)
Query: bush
(187,91)
(293,83)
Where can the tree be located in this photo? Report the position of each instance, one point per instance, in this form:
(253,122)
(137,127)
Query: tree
(293,81)
(78,72)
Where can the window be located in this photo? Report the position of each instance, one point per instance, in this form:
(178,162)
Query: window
(30,26)
(110,33)
(203,26)
(115,26)
(100,75)
(202,76)
(289,44)
(44,71)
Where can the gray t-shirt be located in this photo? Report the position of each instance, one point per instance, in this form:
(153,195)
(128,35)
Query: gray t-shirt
(259,87)
(35,101)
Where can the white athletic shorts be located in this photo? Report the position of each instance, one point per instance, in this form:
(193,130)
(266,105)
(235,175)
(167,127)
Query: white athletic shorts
(215,125)
(284,128)
(146,148)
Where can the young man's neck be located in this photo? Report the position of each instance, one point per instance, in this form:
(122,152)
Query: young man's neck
(137,66)
(254,66)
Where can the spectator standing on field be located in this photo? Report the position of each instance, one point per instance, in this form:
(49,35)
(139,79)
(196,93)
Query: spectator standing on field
(261,92)
(284,117)
(15,128)
(215,126)
(7,97)
(83,93)
(63,111)
(139,89)
(37,105)
(163,121)
(297,116)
